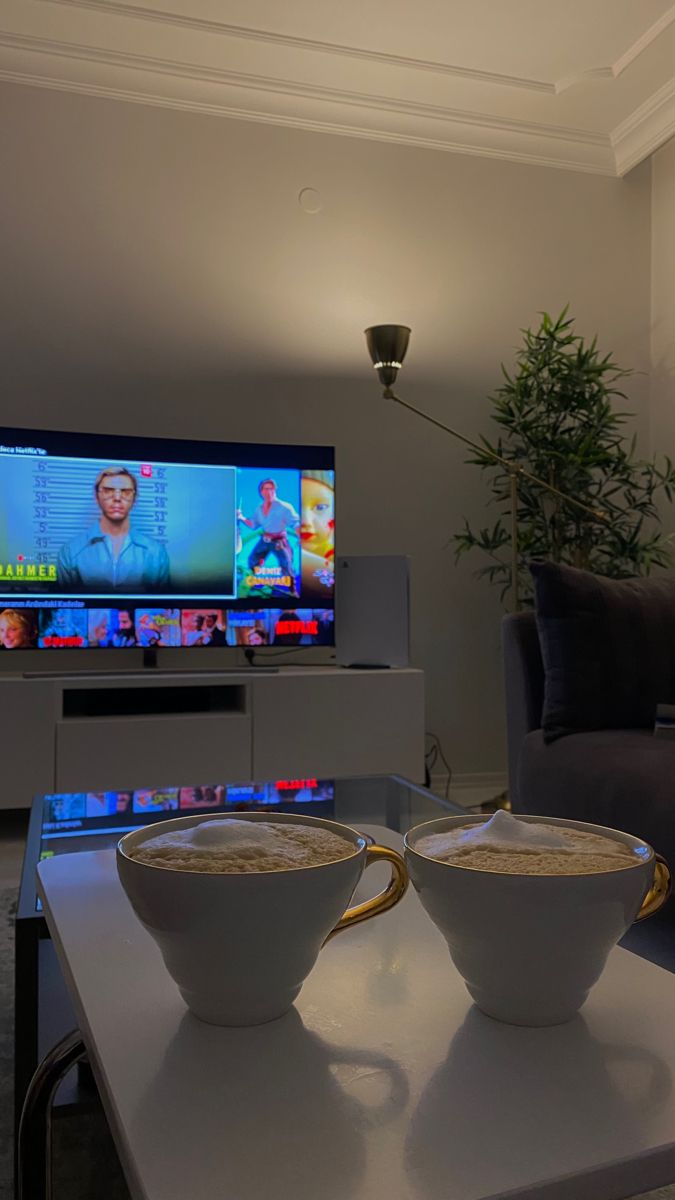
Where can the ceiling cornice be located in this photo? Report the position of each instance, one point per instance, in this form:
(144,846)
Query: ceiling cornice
(264,83)
(652,124)
(494,78)
(642,43)
(460,144)
(222,29)
(389,105)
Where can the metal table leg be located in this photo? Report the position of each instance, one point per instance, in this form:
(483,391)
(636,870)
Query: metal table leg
(33,1158)
(26,1006)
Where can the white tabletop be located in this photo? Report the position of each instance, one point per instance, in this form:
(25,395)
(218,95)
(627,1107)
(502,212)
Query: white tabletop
(383,1083)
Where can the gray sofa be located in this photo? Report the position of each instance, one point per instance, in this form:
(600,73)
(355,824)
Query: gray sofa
(624,778)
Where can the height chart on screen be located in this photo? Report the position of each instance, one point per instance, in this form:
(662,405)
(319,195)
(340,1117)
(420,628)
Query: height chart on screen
(110,542)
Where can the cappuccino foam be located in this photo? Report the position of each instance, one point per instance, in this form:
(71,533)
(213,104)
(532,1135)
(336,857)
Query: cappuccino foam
(232,846)
(507,845)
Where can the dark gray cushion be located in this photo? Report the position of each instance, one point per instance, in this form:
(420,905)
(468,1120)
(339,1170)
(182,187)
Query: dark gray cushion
(623,779)
(608,647)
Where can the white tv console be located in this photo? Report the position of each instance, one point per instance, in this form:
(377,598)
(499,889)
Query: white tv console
(97,732)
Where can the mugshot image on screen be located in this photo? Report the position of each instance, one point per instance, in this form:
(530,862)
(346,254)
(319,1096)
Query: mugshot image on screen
(92,528)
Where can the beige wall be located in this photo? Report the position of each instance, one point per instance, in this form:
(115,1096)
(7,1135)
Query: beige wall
(663,308)
(163,279)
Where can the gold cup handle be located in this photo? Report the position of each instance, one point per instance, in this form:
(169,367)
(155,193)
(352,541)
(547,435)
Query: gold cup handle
(394,891)
(658,892)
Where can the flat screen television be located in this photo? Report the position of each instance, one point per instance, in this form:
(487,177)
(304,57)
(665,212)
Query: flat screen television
(111,542)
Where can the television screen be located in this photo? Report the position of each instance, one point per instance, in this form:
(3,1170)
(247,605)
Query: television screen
(117,542)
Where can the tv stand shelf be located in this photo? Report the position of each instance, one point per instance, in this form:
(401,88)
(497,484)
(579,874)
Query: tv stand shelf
(142,702)
(98,732)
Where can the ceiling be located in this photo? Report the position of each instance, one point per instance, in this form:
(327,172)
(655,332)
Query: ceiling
(587,85)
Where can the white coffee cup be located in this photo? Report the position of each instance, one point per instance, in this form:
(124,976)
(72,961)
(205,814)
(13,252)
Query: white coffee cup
(530,947)
(239,946)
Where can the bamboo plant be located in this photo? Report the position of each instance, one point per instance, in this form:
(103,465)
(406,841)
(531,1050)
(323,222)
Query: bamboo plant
(556,417)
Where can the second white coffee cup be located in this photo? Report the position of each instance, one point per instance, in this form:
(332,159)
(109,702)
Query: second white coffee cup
(239,946)
(530,947)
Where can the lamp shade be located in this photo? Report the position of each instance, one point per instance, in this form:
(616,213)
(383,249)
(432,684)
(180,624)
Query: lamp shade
(387,345)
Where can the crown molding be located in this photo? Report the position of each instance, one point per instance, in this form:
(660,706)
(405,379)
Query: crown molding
(625,60)
(223,29)
(650,35)
(508,153)
(336,49)
(288,87)
(645,130)
(150,80)
(387,111)
(152,64)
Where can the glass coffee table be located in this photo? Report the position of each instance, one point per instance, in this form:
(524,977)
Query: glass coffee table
(66,823)
(381,1081)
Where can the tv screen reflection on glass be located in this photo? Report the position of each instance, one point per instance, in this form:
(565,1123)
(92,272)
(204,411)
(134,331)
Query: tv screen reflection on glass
(114,542)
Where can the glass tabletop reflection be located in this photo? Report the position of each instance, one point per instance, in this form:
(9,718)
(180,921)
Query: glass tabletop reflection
(68,822)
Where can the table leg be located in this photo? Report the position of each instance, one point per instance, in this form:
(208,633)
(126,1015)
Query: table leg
(33,1158)
(26,988)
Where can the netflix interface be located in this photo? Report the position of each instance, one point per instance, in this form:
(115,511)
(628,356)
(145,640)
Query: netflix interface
(112,543)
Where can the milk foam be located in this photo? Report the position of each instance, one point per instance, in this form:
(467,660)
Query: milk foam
(507,844)
(505,832)
(229,845)
(213,835)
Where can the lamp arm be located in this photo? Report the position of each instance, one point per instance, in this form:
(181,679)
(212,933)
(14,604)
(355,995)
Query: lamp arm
(513,468)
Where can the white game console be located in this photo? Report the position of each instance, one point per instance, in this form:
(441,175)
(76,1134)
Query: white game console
(372,610)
